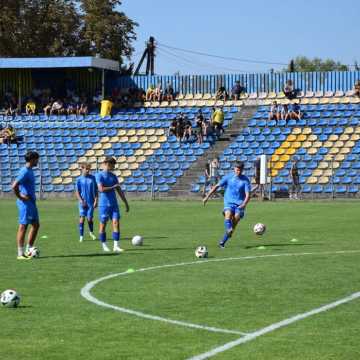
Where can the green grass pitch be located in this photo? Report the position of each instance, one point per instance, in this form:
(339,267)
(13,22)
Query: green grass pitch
(55,322)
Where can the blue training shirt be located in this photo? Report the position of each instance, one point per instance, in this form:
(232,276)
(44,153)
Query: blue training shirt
(107,179)
(236,188)
(87,188)
(26,181)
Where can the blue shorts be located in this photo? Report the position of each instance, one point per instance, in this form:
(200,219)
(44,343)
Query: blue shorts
(28,213)
(235,210)
(108,212)
(87,211)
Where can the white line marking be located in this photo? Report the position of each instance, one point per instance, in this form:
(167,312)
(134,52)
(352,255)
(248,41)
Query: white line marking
(85,291)
(274,327)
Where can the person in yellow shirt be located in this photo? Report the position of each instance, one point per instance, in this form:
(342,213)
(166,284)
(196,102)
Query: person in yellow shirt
(217,121)
(30,107)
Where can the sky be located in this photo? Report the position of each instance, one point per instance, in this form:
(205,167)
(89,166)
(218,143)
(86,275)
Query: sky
(260,31)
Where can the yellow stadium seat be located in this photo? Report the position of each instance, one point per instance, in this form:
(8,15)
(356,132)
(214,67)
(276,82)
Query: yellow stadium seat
(131,132)
(121,159)
(97,146)
(312,151)
(174,103)
(117,172)
(357,130)
(122,132)
(339,157)
(336,165)
(312,180)
(57,181)
(317,172)
(73,167)
(145,145)
(162,139)
(317,144)
(99,152)
(150,132)
(124,139)
(105,139)
(201,103)
(291,137)
(76,173)
(290,151)
(327,172)
(349,130)
(305,101)
(229,103)
(114,139)
(66,173)
(142,139)
(106,146)
(131,159)
(152,139)
(344,137)
(149,152)
(139,152)
(133,166)
(92,159)
(159,132)
(333,137)
(314,101)
(155,104)
(279,165)
(349,144)
(285,158)
(219,103)
(354,137)
(125,173)
(275,158)
(141,159)
(67,180)
(189,96)
(101,159)
(296,144)
(183,103)
(207,96)
(285,144)
(93,166)
(334,100)
(198,96)
(140,132)
(307,144)
(339,144)
(312,137)
(323,180)
(323,165)
(306,131)
(301,137)
(279,151)
(210,103)
(297,131)
(123,166)
(328,144)
(345,150)
(164,104)
(180,96)
(90,152)
(324,100)
(133,139)
(155,146)
(334,150)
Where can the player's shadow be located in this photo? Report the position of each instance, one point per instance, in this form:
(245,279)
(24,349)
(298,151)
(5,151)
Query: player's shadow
(280,245)
(83,255)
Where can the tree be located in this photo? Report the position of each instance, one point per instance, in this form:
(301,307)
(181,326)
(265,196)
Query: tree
(30,28)
(304,64)
(106,31)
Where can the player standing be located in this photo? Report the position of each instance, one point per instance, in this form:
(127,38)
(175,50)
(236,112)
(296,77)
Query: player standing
(87,194)
(24,189)
(108,207)
(236,197)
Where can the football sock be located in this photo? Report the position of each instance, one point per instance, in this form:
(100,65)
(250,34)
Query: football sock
(116,236)
(20,251)
(102,237)
(81,229)
(91,226)
(228,224)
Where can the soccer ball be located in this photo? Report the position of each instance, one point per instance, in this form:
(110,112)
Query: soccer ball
(10,298)
(259,228)
(34,253)
(201,252)
(137,240)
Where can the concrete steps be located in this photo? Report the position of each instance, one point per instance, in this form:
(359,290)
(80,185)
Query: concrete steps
(183,185)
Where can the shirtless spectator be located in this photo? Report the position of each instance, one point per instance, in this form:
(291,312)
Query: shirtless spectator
(169,93)
(57,108)
(47,108)
(158,93)
(150,92)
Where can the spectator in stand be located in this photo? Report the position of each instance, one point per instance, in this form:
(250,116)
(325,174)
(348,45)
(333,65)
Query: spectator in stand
(2,134)
(180,121)
(295,111)
(47,107)
(173,128)
(57,107)
(357,88)
(150,93)
(214,171)
(30,107)
(295,181)
(158,92)
(258,186)
(221,93)
(82,109)
(217,121)
(187,129)
(97,98)
(237,90)
(169,93)
(9,135)
(11,108)
(285,115)
(71,107)
(274,113)
(289,90)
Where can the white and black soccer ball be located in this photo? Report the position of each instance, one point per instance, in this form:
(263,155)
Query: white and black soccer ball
(137,240)
(201,252)
(9,298)
(259,229)
(34,253)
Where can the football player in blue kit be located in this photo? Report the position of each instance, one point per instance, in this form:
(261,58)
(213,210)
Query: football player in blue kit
(236,197)
(87,194)
(108,185)
(24,189)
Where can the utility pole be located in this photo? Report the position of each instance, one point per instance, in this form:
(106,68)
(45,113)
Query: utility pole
(149,54)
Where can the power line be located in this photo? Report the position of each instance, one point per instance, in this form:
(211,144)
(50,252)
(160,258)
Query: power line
(222,57)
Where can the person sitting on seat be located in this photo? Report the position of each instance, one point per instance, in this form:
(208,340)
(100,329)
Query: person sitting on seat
(158,93)
(289,90)
(57,108)
(9,136)
(221,93)
(357,88)
(295,111)
(274,113)
(237,90)
(285,115)
(150,93)
(30,107)
(169,93)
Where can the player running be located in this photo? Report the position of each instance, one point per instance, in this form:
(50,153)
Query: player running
(236,197)
(108,207)
(87,194)
(24,189)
